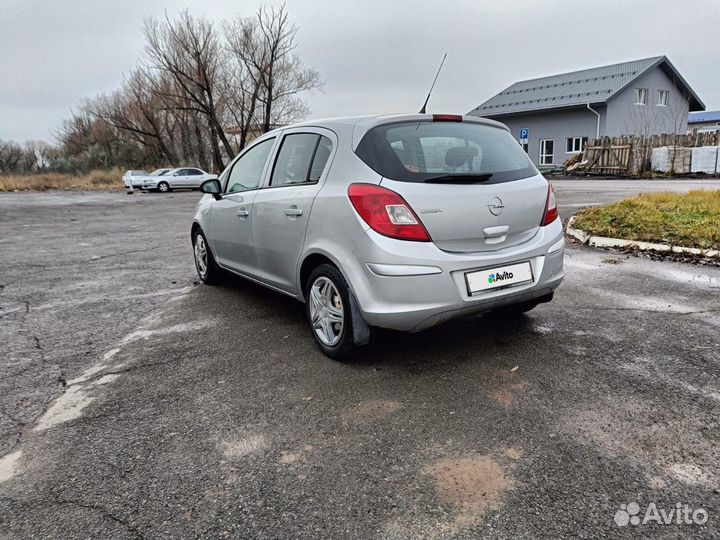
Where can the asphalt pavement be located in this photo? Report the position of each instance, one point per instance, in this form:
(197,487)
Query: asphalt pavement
(136,403)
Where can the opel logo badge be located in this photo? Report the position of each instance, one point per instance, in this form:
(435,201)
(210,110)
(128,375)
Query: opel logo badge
(496,206)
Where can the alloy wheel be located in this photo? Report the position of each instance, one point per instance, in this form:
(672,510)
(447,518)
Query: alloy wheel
(326,311)
(201,255)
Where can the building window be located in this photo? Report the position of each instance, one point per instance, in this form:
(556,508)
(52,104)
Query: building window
(575,145)
(524,146)
(641,96)
(547,151)
(663,97)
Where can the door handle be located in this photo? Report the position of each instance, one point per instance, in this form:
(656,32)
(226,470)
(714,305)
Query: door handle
(293,211)
(243,213)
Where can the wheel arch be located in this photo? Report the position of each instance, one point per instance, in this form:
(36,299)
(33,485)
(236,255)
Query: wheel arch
(194,229)
(311,261)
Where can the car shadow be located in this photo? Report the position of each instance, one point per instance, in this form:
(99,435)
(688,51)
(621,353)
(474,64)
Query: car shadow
(461,340)
(465,339)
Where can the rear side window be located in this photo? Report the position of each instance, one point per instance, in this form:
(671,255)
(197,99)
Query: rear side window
(301,159)
(416,151)
(193,172)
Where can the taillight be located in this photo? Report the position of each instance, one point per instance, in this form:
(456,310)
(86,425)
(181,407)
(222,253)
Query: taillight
(387,212)
(551,209)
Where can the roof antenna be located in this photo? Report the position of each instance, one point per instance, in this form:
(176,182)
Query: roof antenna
(422,111)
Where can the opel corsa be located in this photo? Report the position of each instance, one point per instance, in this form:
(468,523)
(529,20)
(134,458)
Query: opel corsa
(398,222)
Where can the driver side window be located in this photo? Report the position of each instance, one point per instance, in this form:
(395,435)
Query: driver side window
(246,174)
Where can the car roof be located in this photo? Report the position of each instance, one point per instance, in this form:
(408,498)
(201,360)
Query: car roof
(357,126)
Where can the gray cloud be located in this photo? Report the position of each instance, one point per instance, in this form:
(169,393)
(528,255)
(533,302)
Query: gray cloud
(375,56)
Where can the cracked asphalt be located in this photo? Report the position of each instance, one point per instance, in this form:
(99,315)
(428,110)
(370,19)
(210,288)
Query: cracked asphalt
(136,403)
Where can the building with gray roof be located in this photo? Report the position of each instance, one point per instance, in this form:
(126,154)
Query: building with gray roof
(553,117)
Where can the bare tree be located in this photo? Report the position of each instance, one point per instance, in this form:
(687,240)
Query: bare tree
(283,74)
(188,50)
(11,155)
(270,72)
(136,111)
(196,85)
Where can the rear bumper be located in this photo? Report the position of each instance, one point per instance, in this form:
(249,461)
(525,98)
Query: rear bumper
(414,285)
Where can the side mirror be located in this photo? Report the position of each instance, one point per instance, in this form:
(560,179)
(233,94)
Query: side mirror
(212,187)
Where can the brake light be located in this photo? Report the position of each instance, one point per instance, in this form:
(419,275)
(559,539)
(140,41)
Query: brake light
(447,118)
(551,209)
(387,213)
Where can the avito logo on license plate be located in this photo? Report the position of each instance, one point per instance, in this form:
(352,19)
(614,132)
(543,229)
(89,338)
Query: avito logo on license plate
(496,277)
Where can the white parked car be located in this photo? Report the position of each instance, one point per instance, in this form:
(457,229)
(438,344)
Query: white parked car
(134,178)
(181,178)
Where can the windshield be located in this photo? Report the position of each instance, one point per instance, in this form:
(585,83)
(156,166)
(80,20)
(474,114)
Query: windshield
(159,172)
(416,151)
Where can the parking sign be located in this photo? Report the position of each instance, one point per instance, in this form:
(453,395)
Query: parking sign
(524,135)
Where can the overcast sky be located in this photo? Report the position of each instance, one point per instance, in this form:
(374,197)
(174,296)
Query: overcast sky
(374,56)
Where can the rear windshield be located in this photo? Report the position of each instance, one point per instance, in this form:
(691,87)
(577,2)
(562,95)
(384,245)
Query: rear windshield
(415,151)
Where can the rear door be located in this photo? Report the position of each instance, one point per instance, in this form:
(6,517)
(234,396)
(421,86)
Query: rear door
(231,217)
(194,178)
(470,183)
(282,208)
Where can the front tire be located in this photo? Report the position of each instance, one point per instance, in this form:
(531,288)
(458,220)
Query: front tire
(163,187)
(328,311)
(207,269)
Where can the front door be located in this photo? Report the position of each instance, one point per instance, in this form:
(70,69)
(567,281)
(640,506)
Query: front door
(179,179)
(282,209)
(232,216)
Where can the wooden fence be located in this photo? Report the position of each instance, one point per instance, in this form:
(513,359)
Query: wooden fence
(630,156)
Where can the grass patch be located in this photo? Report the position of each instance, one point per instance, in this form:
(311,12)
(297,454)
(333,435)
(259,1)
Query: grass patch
(99,179)
(690,220)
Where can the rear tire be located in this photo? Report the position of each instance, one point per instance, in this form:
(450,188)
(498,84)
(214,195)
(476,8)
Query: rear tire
(327,306)
(163,187)
(207,269)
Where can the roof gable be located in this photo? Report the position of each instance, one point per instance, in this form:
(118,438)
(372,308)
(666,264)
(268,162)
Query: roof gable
(577,88)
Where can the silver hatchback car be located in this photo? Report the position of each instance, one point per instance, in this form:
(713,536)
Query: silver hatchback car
(398,222)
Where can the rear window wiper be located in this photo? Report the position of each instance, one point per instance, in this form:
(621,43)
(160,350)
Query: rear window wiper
(459,178)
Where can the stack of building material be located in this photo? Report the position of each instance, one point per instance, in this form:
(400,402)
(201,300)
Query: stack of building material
(671,159)
(705,159)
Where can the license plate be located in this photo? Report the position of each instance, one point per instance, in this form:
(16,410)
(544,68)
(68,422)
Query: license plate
(498,276)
